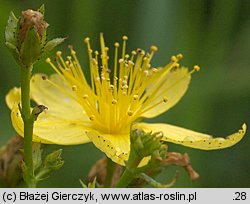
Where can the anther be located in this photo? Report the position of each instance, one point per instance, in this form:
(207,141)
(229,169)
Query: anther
(121,60)
(111,87)
(179,56)
(142,52)
(125,87)
(48,60)
(117,44)
(154,70)
(177,65)
(173,58)
(125,37)
(133,52)
(114,101)
(135,97)
(130,112)
(196,68)
(74,88)
(86,40)
(70,47)
(85,96)
(69,57)
(131,63)
(92,117)
(124,82)
(58,53)
(165,99)
(154,48)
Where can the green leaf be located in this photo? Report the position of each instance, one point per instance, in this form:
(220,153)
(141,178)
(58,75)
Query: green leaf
(10,30)
(52,44)
(31,48)
(28,177)
(51,163)
(37,155)
(53,160)
(14,51)
(41,9)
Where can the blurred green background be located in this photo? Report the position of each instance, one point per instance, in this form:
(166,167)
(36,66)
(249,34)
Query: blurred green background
(214,34)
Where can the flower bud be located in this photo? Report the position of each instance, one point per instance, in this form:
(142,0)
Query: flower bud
(144,144)
(31,20)
(26,37)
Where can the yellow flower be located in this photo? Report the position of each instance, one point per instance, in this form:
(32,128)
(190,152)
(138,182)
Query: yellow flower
(104,111)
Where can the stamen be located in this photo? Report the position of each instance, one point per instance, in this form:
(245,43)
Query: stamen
(133,53)
(48,60)
(58,53)
(96,56)
(142,111)
(115,64)
(153,48)
(74,88)
(103,51)
(179,56)
(174,59)
(196,68)
(125,38)
(112,104)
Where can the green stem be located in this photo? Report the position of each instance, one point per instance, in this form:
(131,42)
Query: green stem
(28,121)
(129,174)
(110,172)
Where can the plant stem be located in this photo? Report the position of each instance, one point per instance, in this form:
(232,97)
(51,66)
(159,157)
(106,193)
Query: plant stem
(110,172)
(129,173)
(28,121)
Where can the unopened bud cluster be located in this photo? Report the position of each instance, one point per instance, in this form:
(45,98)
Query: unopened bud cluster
(26,37)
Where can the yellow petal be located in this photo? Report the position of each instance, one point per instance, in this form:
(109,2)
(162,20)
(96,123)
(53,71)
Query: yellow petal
(13,97)
(174,85)
(191,138)
(53,129)
(42,92)
(116,147)
(64,123)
